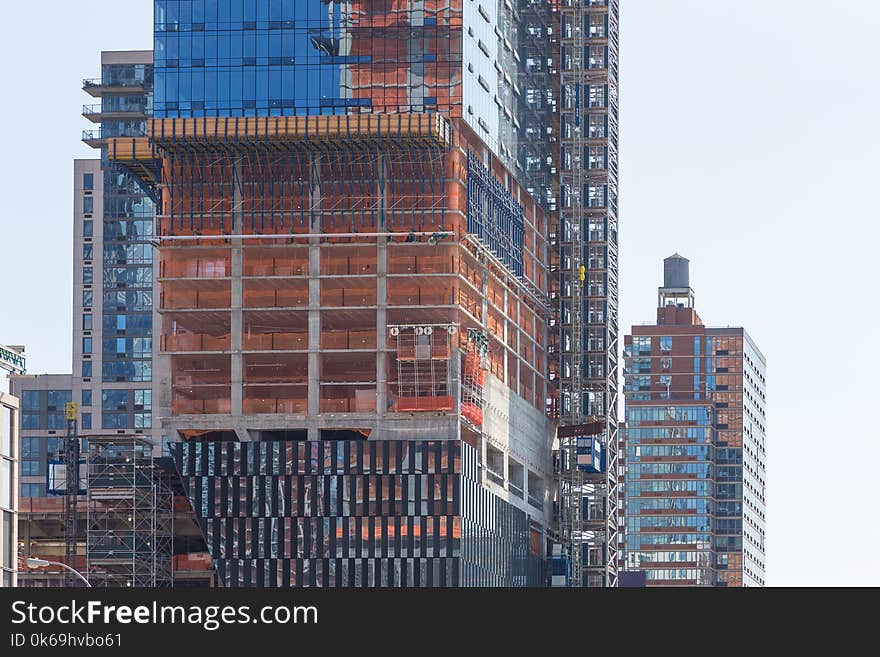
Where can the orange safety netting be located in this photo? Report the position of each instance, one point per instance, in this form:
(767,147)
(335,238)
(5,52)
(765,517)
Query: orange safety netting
(417,404)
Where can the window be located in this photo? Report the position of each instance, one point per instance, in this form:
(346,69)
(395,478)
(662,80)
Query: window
(7,548)
(30,448)
(88,229)
(30,400)
(5,432)
(30,490)
(88,251)
(87,298)
(88,204)
(641,345)
(6,483)
(88,275)
(58,399)
(143,399)
(665,363)
(666,343)
(87,345)
(113,420)
(87,369)
(114,400)
(55,447)
(87,322)
(88,181)
(86,397)
(86,421)
(30,468)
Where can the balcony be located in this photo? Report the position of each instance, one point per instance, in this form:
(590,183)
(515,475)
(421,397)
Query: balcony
(97,88)
(93,138)
(97,138)
(97,114)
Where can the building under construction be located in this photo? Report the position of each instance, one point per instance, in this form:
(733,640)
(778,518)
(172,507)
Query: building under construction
(385,246)
(354,289)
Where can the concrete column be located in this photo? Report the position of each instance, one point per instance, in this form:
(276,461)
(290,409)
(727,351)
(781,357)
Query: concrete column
(519,339)
(542,398)
(237,363)
(381,295)
(484,292)
(315,202)
(506,310)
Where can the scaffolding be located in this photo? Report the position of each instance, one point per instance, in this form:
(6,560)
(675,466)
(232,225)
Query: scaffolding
(587,293)
(476,366)
(130,515)
(423,354)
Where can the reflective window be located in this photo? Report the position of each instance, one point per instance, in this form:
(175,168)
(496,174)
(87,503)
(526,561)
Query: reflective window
(6,432)
(30,490)
(6,483)
(30,400)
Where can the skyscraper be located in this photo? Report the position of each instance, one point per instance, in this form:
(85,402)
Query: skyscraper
(694,445)
(354,286)
(113,319)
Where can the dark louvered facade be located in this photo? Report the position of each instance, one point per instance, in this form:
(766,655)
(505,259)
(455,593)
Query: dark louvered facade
(354,513)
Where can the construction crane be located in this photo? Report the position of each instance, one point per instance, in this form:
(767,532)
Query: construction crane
(71,467)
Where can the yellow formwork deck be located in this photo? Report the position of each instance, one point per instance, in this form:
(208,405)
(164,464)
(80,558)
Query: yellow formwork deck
(347,130)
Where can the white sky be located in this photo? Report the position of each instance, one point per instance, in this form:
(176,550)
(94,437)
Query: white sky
(749,139)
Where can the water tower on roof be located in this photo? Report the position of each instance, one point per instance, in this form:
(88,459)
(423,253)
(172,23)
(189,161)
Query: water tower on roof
(676,290)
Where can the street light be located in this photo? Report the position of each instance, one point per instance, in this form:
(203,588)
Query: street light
(34,562)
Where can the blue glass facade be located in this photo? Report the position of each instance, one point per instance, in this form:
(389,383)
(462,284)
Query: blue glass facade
(486,63)
(297,57)
(127,324)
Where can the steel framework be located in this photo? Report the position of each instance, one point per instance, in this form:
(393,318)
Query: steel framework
(71,466)
(130,515)
(586,238)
